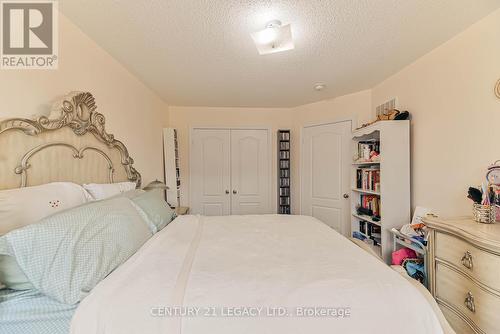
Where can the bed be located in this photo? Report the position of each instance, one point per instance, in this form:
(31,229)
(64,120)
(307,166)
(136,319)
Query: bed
(253,274)
(232,274)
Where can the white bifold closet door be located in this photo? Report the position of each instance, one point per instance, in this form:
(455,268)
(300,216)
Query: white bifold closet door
(250,172)
(211,172)
(230,172)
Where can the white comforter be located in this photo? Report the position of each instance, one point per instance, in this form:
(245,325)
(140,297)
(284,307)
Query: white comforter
(253,274)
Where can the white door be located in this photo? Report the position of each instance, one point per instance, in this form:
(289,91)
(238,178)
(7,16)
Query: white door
(230,172)
(325,174)
(250,172)
(210,172)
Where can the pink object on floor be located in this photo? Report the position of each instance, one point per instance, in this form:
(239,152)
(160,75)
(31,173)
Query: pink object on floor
(400,255)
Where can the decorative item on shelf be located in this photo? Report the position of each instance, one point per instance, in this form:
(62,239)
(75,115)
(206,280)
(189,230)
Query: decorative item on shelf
(389,115)
(402,116)
(497,89)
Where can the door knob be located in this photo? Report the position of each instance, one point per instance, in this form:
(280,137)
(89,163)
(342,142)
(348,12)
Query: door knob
(227,192)
(235,192)
(346,195)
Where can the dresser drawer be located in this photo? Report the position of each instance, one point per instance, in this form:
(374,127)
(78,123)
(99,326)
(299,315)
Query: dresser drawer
(454,288)
(479,264)
(458,324)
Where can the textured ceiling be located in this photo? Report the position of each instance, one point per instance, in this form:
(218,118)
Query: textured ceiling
(199,52)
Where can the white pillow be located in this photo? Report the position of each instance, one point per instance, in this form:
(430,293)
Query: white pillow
(106,190)
(24,206)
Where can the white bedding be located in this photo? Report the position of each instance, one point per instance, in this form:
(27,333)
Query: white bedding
(265,268)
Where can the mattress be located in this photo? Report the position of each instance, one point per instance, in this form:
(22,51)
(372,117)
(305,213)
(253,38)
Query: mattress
(253,274)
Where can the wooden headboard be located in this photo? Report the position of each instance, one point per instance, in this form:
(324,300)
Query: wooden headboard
(70,145)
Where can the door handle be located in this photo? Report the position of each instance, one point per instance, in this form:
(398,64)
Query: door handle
(469,302)
(227,192)
(467,260)
(235,192)
(346,196)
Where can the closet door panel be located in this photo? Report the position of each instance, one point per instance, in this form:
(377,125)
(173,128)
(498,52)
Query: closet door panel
(250,172)
(210,172)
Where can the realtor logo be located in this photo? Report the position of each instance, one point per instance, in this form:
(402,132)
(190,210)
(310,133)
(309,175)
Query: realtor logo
(29,35)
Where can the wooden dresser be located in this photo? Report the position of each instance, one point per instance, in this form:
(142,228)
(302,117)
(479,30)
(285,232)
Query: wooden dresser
(464,273)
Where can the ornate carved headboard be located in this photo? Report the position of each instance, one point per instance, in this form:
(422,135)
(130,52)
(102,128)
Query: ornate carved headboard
(70,145)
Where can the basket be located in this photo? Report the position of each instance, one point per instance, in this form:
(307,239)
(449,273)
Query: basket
(485,214)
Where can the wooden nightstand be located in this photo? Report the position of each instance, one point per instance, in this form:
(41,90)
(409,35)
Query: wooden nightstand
(182,210)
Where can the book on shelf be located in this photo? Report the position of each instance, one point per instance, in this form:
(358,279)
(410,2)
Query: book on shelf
(374,232)
(371,231)
(368,179)
(370,202)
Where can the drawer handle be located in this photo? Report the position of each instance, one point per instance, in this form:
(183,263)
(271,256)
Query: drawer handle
(467,260)
(469,302)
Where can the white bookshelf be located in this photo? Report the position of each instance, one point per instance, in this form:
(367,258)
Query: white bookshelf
(394,193)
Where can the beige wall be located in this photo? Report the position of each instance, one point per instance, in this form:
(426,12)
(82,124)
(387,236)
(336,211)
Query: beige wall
(134,113)
(185,118)
(455,115)
(355,106)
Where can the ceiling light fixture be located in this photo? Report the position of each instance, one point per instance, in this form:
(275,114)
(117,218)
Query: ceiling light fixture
(270,34)
(273,38)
